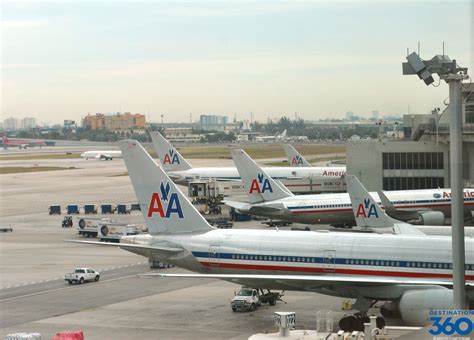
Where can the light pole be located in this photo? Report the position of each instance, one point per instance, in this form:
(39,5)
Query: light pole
(453,75)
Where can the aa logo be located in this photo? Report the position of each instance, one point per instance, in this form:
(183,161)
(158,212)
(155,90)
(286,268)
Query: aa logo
(260,184)
(297,160)
(366,209)
(171,158)
(165,203)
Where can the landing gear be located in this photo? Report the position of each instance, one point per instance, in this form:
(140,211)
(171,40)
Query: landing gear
(356,322)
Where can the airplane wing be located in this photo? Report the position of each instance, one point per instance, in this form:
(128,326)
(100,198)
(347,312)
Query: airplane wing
(128,246)
(243,206)
(317,279)
(248,208)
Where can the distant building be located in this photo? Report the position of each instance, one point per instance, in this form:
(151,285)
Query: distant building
(349,115)
(10,124)
(28,123)
(213,122)
(114,122)
(69,124)
(181,135)
(375,114)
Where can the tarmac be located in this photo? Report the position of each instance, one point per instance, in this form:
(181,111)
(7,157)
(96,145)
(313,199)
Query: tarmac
(125,303)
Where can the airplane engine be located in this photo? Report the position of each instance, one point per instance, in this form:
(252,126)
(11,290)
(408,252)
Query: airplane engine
(432,218)
(415,305)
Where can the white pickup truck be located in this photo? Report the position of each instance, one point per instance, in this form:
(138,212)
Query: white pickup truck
(251,298)
(81,275)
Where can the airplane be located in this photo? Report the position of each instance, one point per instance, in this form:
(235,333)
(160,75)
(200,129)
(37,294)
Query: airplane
(411,273)
(106,155)
(182,172)
(274,138)
(268,199)
(295,159)
(21,143)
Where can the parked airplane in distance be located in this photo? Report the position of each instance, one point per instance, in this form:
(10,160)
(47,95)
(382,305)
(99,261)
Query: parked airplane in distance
(106,155)
(277,137)
(413,273)
(296,179)
(267,199)
(21,143)
(295,159)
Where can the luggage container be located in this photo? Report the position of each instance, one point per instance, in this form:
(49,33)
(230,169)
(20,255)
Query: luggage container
(106,209)
(90,209)
(122,209)
(55,209)
(135,206)
(72,209)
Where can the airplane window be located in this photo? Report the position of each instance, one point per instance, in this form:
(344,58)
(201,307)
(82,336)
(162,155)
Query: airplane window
(347,261)
(423,265)
(307,259)
(408,264)
(376,263)
(233,256)
(398,264)
(429,265)
(279,258)
(371,263)
(246,257)
(393,263)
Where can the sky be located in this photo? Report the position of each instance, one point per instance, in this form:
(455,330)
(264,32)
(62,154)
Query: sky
(64,59)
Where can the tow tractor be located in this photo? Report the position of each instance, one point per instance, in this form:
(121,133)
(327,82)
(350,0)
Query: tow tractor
(251,298)
(67,222)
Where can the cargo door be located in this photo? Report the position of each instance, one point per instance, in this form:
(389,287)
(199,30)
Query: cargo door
(329,261)
(214,256)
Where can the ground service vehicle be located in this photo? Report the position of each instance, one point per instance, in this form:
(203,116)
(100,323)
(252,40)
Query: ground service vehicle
(250,298)
(67,222)
(82,275)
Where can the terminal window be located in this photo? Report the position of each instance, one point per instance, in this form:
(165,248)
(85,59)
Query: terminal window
(413,160)
(412,183)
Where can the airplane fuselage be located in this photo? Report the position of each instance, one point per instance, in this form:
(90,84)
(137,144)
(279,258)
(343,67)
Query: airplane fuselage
(337,208)
(279,173)
(318,253)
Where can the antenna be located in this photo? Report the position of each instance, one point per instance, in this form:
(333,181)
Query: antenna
(408,52)
(443,48)
(190,117)
(418,48)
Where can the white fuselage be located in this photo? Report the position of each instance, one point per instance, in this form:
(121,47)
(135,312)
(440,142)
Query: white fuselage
(317,253)
(337,208)
(278,173)
(102,154)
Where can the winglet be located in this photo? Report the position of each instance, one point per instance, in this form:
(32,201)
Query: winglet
(368,213)
(164,207)
(294,157)
(171,159)
(258,184)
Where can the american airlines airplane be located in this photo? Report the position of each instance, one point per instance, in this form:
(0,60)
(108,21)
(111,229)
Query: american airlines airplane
(182,172)
(295,159)
(267,198)
(413,273)
(106,155)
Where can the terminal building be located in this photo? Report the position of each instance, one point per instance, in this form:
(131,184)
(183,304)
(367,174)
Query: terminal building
(421,160)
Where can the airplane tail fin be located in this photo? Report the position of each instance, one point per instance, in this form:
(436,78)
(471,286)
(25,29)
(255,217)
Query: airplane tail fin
(368,213)
(294,157)
(258,184)
(165,208)
(171,159)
